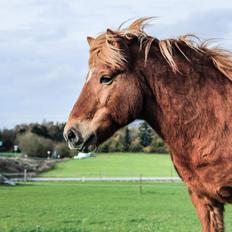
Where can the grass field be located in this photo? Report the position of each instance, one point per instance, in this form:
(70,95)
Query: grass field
(8,154)
(98,207)
(116,165)
(101,206)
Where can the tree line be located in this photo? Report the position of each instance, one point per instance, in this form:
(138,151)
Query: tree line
(46,139)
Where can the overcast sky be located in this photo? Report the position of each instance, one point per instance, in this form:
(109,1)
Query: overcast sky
(44,54)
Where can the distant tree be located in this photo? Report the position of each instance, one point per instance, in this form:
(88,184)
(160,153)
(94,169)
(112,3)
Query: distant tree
(40,130)
(20,129)
(158,144)
(135,145)
(104,147)
(34,145)
(126,140)
(113,144)
(55,131)
(8,138)
(145,134)
(135,139)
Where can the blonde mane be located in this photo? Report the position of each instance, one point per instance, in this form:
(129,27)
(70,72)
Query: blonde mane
(104,48)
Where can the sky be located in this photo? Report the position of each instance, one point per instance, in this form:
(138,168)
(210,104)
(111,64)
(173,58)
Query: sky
(44,53)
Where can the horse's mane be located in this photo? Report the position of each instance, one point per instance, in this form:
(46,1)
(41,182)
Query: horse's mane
(103,48)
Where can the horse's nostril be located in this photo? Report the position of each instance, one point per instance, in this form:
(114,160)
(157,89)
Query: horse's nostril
(71,135)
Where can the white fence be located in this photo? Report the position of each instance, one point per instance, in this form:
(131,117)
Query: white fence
(96,179)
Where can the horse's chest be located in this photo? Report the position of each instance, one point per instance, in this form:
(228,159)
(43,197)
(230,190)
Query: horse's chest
(183,168)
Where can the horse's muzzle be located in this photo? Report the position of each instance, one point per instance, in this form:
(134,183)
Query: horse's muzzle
(76,141)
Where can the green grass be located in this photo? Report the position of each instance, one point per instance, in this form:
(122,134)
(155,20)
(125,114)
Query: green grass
(101,207)
(116,165)
(98,207)
(8,154)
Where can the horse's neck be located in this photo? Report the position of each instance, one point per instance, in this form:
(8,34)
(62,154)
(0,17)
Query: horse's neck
(164,104)
(187,107)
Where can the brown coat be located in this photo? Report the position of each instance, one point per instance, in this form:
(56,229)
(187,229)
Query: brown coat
(182,89)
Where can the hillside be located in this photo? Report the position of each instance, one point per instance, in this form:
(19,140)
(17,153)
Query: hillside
(116,165)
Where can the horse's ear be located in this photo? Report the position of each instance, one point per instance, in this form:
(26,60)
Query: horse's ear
(113,38)
(90,40)
(109,32)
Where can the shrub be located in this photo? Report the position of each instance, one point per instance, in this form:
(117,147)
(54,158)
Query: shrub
(34,145)
(159,145)
(103,147)
(62,150)
(149,149)
(135,147)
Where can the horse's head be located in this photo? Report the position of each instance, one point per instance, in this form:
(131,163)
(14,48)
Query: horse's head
(112,95)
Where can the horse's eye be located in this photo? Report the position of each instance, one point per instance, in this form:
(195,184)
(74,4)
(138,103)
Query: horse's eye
(107,80)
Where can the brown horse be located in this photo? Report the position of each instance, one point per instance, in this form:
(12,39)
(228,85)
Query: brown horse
(182,88)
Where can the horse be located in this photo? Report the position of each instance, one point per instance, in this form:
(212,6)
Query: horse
(182,87)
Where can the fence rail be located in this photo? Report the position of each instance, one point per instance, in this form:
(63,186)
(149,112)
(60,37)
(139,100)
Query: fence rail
(96,179)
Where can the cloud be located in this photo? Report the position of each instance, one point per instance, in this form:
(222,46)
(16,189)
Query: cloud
(44,54)
(214,23)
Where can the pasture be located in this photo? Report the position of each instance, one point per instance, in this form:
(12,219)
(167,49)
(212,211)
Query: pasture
(116,165)
(76,207)
(8,154)
(98,207)
(102,206)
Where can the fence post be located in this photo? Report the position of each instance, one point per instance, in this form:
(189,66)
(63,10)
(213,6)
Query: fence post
(171,174)
(25,175)
(140,184)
